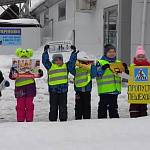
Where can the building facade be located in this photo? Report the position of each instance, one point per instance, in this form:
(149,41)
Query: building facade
(15,33)
(91,24)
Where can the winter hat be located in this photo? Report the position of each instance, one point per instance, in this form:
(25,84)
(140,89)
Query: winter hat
(107,48)
(140,51)
(55,56)
(46,47)
(84,56)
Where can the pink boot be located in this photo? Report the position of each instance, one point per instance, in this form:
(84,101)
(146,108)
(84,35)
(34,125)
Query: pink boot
(29,109)
(20,108)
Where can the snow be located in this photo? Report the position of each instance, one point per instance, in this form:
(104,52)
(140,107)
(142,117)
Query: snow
(117,134)
(114,134)
(20,21)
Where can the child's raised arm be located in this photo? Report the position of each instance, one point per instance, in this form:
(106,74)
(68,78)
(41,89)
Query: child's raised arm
(45,58)
(72,61)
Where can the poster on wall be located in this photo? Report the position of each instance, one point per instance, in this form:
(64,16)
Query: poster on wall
(139,85)
(10,37)
(60,46)
(27,68)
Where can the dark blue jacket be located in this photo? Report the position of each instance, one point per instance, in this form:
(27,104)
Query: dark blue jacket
(87,88)
(62,88)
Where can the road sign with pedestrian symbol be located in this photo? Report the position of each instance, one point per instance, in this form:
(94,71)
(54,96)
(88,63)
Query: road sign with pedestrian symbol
(141,74)
(139,85)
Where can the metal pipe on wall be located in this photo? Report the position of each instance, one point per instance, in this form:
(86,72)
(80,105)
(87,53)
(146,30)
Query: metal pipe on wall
(143,23)
(74,24)
(52,25)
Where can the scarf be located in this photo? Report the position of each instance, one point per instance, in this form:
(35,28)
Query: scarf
(143,63)
(110,60)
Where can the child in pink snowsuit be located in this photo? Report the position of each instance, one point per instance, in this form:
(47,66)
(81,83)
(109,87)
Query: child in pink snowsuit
(25,91)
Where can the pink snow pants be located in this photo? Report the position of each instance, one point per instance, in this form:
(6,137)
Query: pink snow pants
(25,109)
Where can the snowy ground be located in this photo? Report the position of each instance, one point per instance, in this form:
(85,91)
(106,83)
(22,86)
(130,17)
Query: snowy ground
(117,134)
(114,134)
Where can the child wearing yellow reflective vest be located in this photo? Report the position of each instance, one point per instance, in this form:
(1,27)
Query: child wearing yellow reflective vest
(83,74)
(58,82)
(109,84)
(25,90)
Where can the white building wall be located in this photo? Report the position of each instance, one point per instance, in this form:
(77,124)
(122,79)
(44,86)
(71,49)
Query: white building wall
(137,13)
(30,39)
(88,26)
(62,28)
(42,19)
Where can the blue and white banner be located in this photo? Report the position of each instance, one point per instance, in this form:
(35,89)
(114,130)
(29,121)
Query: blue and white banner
(10,37)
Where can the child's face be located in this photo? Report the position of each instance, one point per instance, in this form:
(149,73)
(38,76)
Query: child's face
(111,53)
(140,58)
(58,61)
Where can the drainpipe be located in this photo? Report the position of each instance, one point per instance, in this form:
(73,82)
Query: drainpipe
(74,24)
(52,21)
(74,37)
(144,23)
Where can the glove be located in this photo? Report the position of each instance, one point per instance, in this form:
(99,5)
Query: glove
(74,49)
(126,68)
(40,71)
(7,84)
(12,69)
(125,65)
(46,48)
(105,67)
(77,52)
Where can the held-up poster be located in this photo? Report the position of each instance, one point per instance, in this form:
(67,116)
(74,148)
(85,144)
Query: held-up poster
(59,46)
(26,68)
(117,67)
(139,85)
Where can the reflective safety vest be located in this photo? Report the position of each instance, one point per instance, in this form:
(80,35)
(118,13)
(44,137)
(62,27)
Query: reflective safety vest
(23,81)
(109,82)
(57,75)
(82,77)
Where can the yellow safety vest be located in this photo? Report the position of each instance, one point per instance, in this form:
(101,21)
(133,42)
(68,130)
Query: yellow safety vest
(109,82)
(57,75)
(23,81)
(82,77)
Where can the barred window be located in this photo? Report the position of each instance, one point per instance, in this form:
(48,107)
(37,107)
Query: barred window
(62,11)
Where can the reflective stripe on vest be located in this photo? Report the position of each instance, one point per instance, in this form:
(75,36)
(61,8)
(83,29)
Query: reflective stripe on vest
(23,81)
(109,82)
(82,77)
(58,74)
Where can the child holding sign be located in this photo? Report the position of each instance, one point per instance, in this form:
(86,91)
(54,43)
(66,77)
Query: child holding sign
(58,71)
(25,89)
(109,82)
(139,110)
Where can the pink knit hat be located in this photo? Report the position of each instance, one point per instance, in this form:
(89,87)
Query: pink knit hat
(140,51)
